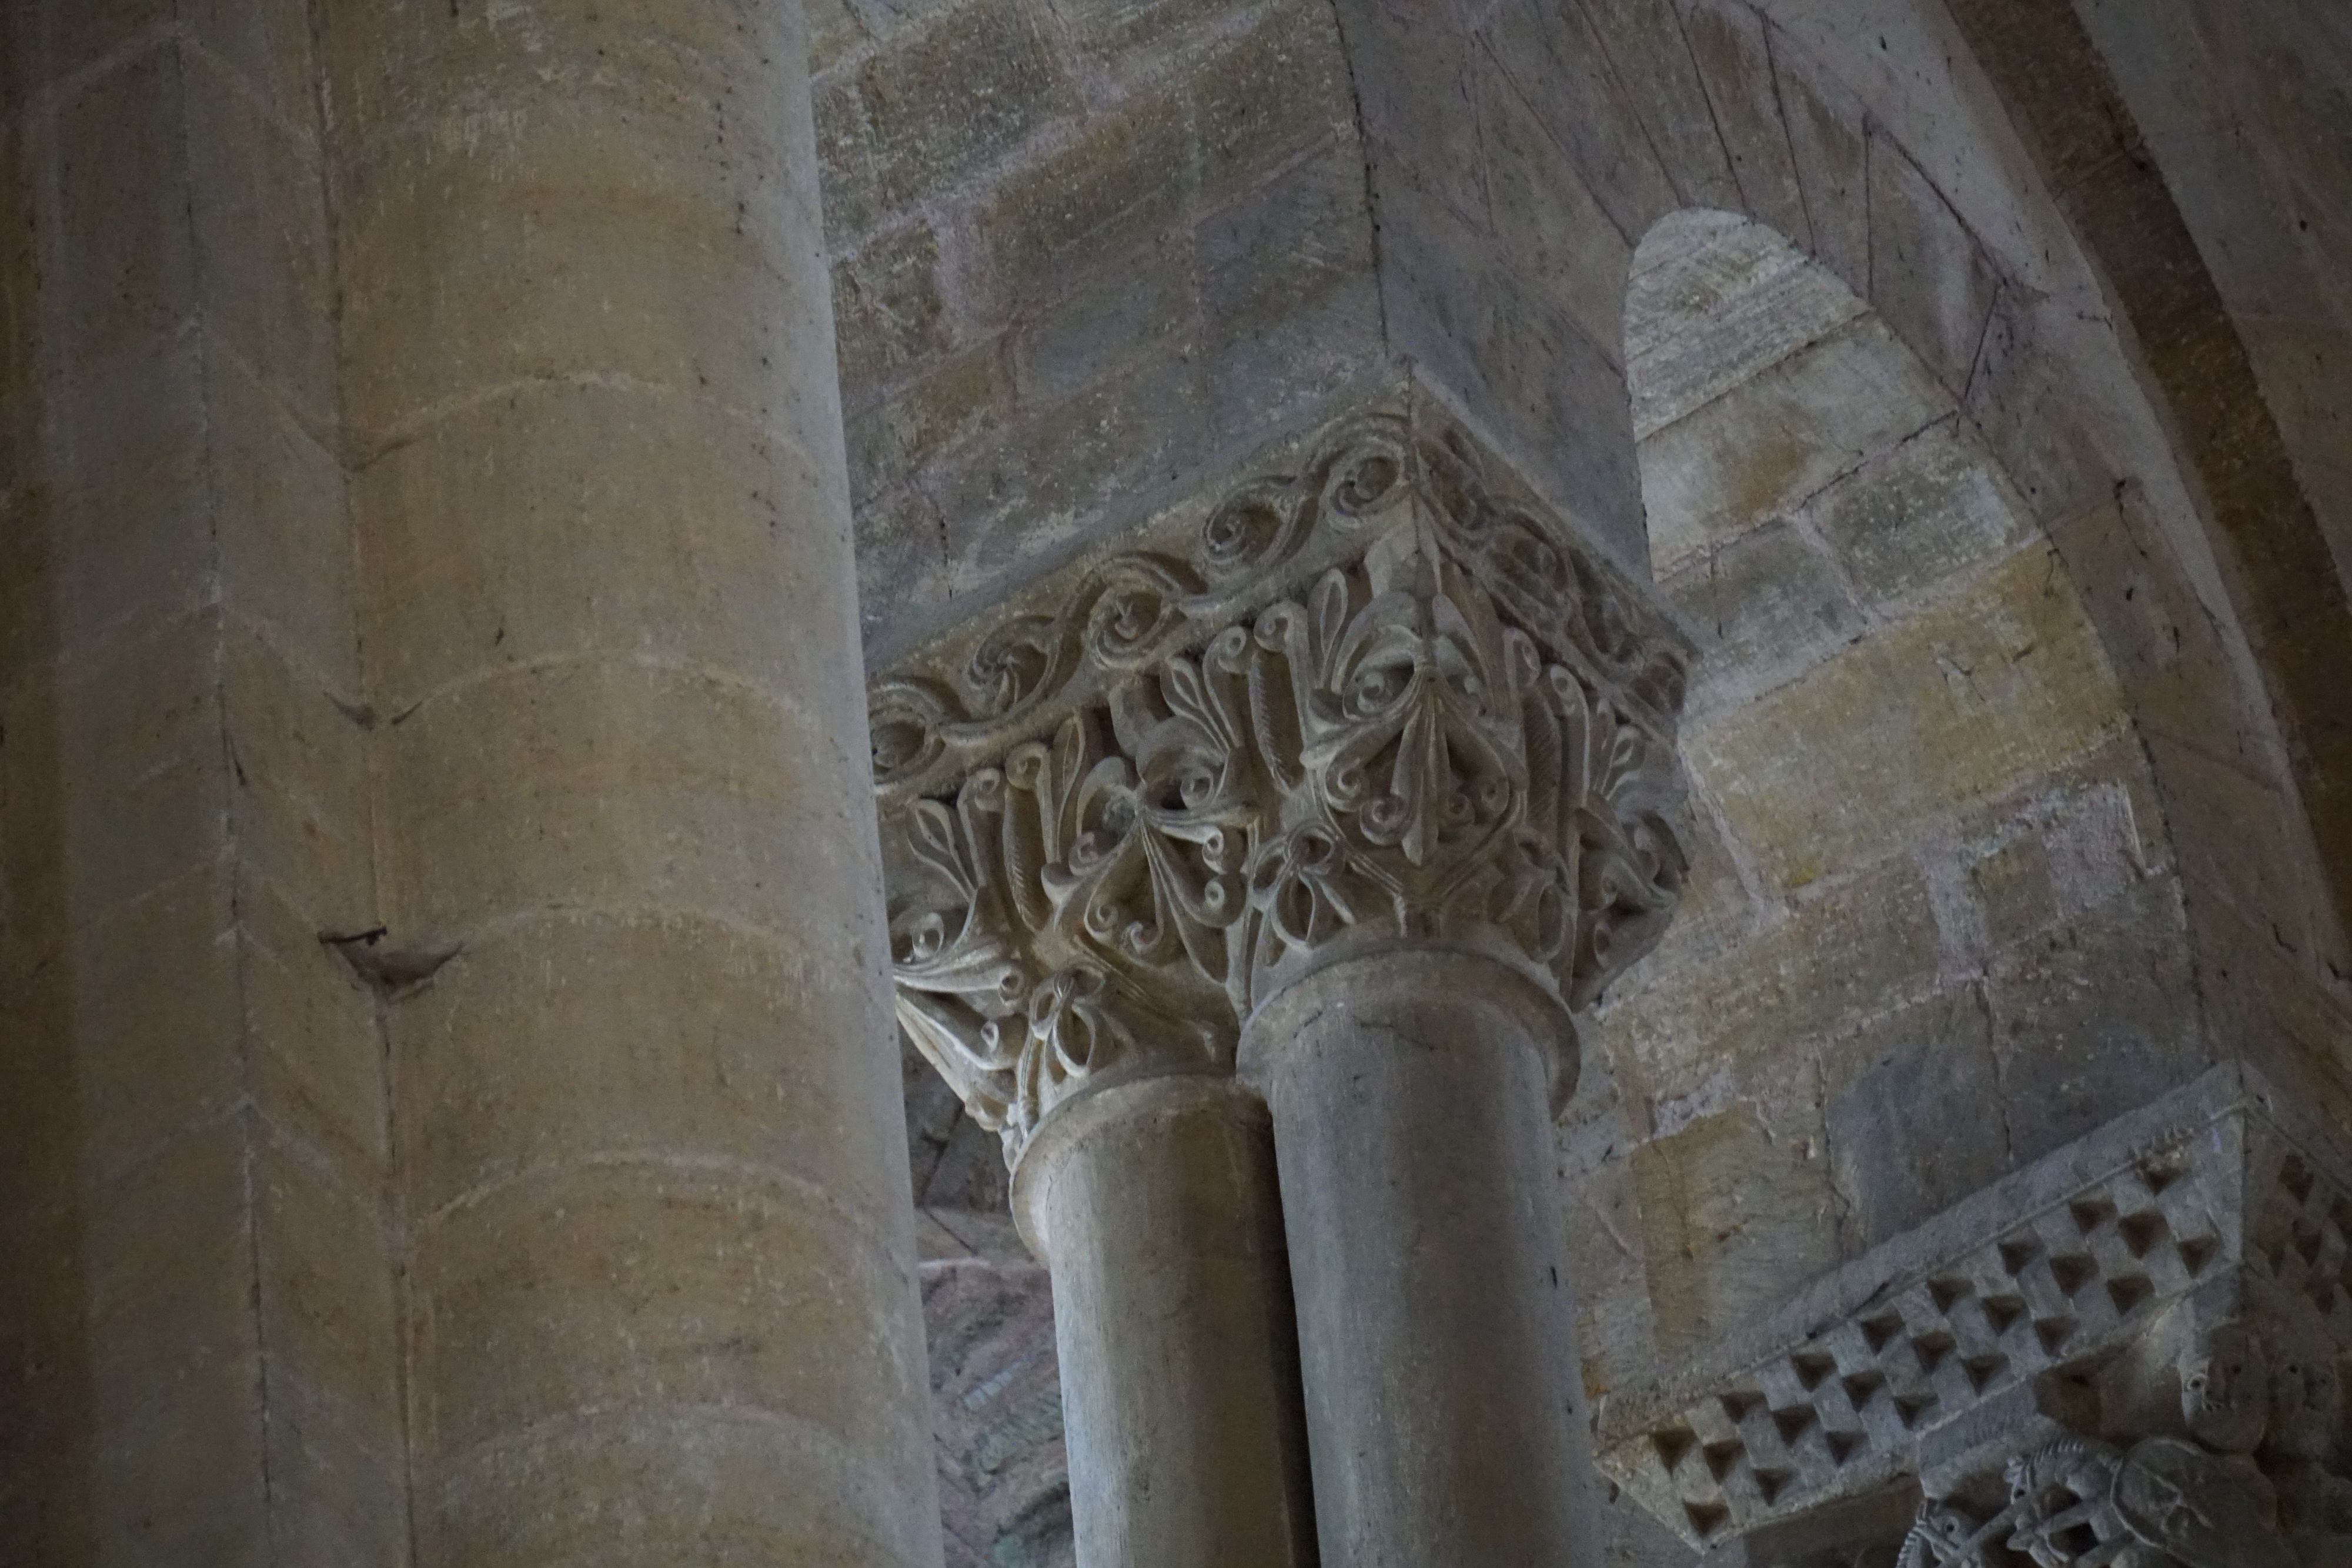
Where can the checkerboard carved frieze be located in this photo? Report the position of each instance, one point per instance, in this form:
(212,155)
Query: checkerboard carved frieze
(2129,1351)
(1368,695)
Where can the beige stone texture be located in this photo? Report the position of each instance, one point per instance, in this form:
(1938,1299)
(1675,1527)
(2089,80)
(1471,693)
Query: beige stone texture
(1968,700)
(1731,1218)
(1730,462)
(1846,952)
(548,1053)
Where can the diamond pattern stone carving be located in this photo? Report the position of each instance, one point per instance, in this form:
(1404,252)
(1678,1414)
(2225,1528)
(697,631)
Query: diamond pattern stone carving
(2056,1269)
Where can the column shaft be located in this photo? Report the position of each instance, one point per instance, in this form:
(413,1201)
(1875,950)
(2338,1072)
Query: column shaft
(660,1257)
(1155,1204)
(1410,1095)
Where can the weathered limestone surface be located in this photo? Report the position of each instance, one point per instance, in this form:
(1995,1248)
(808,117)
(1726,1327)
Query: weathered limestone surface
(1155,1204)
(1411,1094)
(660,1272)
(197,1316)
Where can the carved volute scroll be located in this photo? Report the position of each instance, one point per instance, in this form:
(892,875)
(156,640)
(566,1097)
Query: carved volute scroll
(1374,702)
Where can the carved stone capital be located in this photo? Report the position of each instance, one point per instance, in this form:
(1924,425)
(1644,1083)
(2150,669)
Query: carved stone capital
(2144,1330)
(1366,697)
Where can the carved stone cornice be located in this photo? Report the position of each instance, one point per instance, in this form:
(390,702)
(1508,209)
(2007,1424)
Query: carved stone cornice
(1370,698)
(2027,1316)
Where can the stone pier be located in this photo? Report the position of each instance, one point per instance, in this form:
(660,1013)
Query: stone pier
(660,1255)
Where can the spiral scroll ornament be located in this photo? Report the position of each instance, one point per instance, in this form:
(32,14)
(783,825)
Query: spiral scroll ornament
(1189,783)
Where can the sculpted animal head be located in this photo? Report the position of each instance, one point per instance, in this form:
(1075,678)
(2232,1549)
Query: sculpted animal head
(2225,1389)
(2307,1402)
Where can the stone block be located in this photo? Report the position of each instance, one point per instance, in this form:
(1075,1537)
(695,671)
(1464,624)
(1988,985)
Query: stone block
(567,518)
(1415,70)
(559,1045)
(121,209)
(1043,481)
(184,1480)
(1713,301)
(44,1361)
(2029,419)
(849,161)
(1826,136)
(157,1021)
(1280,87)
(469,265)
(886,310)
(957,95)
(1856,948)
(1728,44)
(1547,219)
(835,29)
(947,406)
(1551,57)
(1763,607)
(1134,307)
(282,526)
(1914,1114)
(747,1489)
(315,1056)
(1716,911)
(2097,1017)
(1795,427)
(298,782)
(130,519)
(401,68)
(1128,37)
(326,1299)
(1962,702)
(667,1285)
(266,46)
(1646,49)
(1100,196)
(172,1338)
(2166,650)
(76,36)
(334,1498)
(1290,302)
(620,786)
(904,574)
(1919,516)
(2072,841)
(2232,830)
(1732,1221)
(258,209)
(1928,276)
(140,744)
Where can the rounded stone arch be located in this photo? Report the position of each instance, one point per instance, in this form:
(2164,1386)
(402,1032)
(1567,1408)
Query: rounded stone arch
(1936,927)
(1919,153)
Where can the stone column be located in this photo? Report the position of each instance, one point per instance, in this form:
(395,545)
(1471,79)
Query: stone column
(1411,1092)
(661,1302)
(1154,1205)
(1362,776)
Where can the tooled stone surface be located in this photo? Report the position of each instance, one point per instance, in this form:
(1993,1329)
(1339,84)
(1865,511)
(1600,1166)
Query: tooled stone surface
(2215,1205)
(1375,700)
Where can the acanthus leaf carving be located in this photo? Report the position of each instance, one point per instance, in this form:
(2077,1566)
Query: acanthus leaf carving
(1460,730)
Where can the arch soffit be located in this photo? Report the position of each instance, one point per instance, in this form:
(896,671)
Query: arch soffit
(2004,293)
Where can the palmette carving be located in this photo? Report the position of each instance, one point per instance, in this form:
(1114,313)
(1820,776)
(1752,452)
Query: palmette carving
(1461,732)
